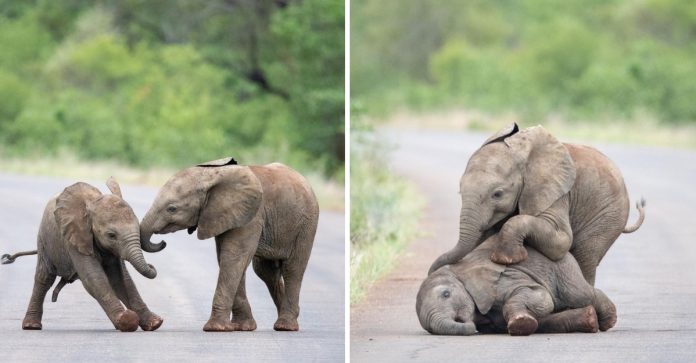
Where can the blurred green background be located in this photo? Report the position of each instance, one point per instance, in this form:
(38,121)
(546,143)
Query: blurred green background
(155,83)
(576,60)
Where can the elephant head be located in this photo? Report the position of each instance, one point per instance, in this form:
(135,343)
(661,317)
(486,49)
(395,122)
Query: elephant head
(444,306)
(513,172)
(212,197)
(87,218)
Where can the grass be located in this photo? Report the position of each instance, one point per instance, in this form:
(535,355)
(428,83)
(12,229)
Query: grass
(384,217)
(330,193)
(641,130)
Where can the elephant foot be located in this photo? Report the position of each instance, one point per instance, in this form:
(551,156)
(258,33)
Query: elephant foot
(283,324)
(243,325)
(127,321)
(587,320)
(509,253)
(522,324)
(218,325)
(150,321)
(31,324)
(608,321)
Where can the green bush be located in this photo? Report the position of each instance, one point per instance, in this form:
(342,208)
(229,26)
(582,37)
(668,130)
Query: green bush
(136,82)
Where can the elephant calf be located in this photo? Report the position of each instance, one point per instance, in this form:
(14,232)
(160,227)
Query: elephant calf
(536,295)
(86,235)
(267,214)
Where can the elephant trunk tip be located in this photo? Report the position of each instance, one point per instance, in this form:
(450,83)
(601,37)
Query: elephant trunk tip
(151,273)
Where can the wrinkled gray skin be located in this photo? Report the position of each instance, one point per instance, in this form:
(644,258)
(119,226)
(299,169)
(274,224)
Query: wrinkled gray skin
(554,197)
(536,295)
(86,235)
(266,214)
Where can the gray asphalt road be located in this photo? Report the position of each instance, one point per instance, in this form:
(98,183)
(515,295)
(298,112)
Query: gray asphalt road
(77,330)
(649,274)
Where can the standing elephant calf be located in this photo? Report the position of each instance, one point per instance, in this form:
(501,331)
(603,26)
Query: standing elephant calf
(267,214)
(536,295)
(86,235)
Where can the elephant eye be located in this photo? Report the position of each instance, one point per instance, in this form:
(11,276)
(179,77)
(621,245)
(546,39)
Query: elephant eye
(111,235)
(171,209)
(497,194)
(446,294)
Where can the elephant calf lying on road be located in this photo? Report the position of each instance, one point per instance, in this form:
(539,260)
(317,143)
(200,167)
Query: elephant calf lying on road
(536,295)
(86,235)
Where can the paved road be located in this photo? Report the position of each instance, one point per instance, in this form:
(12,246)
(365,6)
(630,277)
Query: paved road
(76,329)
(649,274)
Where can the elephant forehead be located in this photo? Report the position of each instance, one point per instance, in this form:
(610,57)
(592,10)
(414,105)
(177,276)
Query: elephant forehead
(110,208)
(494,158)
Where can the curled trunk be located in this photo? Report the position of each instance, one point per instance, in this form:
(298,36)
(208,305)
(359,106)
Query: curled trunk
(134,255)
(448,326)
(146,235)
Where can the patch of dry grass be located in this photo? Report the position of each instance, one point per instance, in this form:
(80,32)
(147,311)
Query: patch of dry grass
(642,130)
(66,165)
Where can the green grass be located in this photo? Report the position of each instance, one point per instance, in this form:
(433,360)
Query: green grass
(385,211)
(65,164)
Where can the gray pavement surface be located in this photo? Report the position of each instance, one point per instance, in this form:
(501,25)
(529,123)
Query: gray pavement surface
(650,274)
(75,329)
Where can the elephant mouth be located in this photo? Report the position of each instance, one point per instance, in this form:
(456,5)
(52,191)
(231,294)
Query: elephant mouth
(170,228)
(190,230)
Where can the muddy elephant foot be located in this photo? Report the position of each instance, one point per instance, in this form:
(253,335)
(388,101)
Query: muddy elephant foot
(150,321)
(218,325)
(31,324)
(509,253)
(283,324)
(522,324)
(243,325)
(127,321)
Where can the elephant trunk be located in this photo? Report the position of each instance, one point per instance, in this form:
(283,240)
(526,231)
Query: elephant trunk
(146,234)
(443,325)
(469,235)
(132,253)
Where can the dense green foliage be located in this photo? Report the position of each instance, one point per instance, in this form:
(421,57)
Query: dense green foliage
(175,82)
(577,58)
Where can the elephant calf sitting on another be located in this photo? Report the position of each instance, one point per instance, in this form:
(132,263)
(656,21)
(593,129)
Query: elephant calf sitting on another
(536,295)
(86,235)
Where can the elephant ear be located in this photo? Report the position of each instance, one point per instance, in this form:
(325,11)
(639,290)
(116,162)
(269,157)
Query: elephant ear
(506,132)
(549,171)
(219,162)
(233,197)
(480,277)
(73,216)
(113,186)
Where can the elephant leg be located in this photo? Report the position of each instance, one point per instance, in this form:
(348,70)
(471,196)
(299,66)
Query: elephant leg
(606,310)
(43,280)
(293,270)
(242,318)
(582,320)
(125,289)
(269,272)
(524,306)
(96,282)
(549,233)
(235,250)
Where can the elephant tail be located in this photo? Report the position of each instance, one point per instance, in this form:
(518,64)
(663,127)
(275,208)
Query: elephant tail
(7,259)
(641,209)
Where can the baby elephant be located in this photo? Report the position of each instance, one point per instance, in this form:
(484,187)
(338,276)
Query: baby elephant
(86,235)
(265,215)
(536,295)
